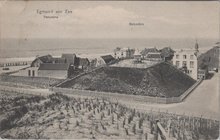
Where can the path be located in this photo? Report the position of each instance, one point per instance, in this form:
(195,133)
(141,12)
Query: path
(204,100)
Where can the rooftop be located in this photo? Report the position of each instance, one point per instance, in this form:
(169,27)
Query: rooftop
(153,55)
(56,66)
(162,80)
(147,50)
(108,58)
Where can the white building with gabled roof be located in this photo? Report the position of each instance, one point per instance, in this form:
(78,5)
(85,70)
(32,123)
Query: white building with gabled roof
(187,61)
(123,53)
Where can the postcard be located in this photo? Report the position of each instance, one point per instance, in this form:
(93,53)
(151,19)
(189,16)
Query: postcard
(146,70)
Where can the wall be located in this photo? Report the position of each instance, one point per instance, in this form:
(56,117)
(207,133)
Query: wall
(126,97)
(59,74)
(24,72)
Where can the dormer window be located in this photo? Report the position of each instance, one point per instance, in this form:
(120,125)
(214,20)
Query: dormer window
(177,56)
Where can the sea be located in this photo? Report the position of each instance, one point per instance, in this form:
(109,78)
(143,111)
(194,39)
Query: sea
(17,48)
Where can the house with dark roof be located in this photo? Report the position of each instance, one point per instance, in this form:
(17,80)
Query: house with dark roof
(148,50)
(56,67)
(105,60)
(154,56)
(42,59)
(58,60)
(53,70)
(108,58)
(167,53)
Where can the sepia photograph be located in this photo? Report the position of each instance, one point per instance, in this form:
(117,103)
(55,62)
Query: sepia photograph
(136,70)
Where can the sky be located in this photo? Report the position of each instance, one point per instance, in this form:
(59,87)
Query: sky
(110,19)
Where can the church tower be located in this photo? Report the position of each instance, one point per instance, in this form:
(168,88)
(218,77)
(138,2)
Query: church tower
(196,47)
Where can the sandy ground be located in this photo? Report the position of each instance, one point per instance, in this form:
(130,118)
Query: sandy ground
(13,68)
(203,101)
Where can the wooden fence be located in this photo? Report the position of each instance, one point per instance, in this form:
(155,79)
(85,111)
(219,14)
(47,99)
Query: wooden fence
(126,97)
(41,92)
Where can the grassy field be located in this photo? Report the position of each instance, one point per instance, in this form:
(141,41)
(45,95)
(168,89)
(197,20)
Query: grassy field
(162,80)
(58,116)
(40,82)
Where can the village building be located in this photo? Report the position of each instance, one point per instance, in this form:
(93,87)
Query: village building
(58,70)
(55,67)
(123,53)
(84,63)
(29,72)
(42,59)
(69,58)
(58,60)
(187,61)
(202,73)
(167,53)
(148,50)
(104,60)
(154,56)
(137,56)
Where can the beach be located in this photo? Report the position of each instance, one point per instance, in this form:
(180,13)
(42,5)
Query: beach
(23,48)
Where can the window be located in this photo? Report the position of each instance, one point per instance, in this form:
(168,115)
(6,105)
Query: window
(177,56)
(184,63)
(177,63)
(191,64)
(33,73)
(29,72)
(191,56)
(184,56)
